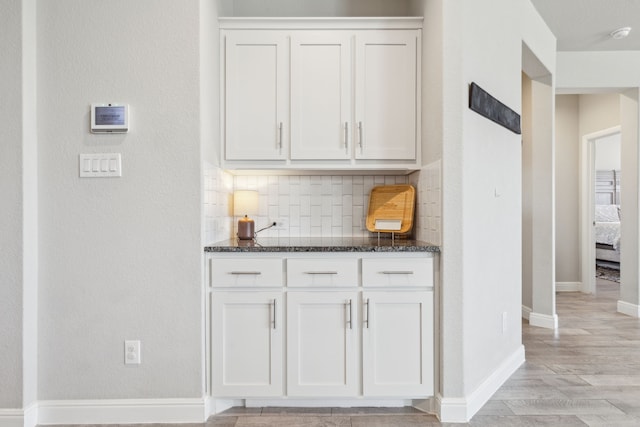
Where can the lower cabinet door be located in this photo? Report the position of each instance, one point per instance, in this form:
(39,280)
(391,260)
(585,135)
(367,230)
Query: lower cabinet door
(397,341)
(247,332)
(322,356)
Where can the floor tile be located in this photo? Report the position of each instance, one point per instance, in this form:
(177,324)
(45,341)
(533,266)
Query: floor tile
(396,421)
(562,407)
(293,421)
(528,421)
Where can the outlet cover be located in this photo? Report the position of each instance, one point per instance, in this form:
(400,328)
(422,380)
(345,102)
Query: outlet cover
(132,354)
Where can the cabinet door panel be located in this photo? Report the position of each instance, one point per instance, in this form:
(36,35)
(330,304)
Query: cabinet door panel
(247,344)
(256,86)
(320,95)
(398,344)
(386,95)
(321,344)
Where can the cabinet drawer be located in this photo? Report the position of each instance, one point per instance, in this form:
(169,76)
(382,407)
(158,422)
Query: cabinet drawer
(245,272)
(397,272)
(308,272)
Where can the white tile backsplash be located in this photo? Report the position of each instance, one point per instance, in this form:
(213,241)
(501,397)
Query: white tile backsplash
(317,206)
(428,218)
(314,205)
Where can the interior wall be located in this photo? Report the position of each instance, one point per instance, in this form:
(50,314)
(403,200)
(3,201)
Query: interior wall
(567,189)
(576,116)
(608,153)
(629,302)
(30,266)
(482,187)
(527,195)
(598,112)
(11,169)
(314,8)
(120,258)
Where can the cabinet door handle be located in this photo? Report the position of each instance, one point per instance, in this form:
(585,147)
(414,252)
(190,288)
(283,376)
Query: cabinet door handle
(365,321)
(360,135)
(280,136)
(320,272)
(245,273)
(396,272)
(350,319)
(346,136)
(274,314)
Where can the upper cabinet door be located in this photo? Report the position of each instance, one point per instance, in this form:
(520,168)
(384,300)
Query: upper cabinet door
(320,95)
(386,94)
(256,95)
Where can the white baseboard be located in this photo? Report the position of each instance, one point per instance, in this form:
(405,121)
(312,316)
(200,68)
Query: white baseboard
(629,309)
(11,418)
(543,320)
(568,286)
(526,312)
(122,411)
(462,409)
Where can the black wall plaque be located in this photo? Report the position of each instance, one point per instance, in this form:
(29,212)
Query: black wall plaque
(486,105)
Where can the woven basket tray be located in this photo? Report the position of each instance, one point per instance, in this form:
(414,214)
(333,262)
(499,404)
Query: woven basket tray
(391,202)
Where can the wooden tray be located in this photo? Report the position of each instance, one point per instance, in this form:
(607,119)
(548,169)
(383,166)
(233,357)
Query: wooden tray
(391,202)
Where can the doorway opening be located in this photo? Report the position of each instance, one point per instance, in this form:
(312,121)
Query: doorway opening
(600,204)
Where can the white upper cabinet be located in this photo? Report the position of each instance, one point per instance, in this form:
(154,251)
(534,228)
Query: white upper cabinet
(321,94)
(386,95)
(257,95)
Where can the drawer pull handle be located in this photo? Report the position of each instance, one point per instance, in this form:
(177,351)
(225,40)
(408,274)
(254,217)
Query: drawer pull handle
(396,272)
(274,314)
(349,320)
(320,272)
(245,273)
(366,311)
(346,136)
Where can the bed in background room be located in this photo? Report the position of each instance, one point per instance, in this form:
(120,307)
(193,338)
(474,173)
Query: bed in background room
(607,216)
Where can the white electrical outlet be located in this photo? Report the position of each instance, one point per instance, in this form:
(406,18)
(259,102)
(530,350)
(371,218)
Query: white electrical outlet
(281,224)
(132,354)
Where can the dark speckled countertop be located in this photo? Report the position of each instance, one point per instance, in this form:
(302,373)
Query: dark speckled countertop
(318,244)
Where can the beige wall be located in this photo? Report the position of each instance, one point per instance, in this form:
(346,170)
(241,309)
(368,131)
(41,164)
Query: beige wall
(567,189)
(576,116)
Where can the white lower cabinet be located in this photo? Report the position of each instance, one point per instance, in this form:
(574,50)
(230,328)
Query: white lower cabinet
(322,344)
(342,335)
(397,343)
(246,335)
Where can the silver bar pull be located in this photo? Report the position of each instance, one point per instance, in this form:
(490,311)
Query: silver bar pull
(274,314)
(365,321)
(350,319)
(360,135)
(320,272)
(245,273)
(280,136)
(396,272)
(346,136)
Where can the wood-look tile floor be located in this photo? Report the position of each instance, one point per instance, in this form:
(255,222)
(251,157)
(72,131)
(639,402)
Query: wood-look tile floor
(587,373)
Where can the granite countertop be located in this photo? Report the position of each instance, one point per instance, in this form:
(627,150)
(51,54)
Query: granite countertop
(317,244)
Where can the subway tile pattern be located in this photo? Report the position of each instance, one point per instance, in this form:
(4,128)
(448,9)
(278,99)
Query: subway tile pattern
(218,204)
(428,219)
(314,206)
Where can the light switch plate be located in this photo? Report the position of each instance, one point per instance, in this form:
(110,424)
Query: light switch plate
(100,165)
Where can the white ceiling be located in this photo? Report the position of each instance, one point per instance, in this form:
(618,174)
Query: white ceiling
(586,24)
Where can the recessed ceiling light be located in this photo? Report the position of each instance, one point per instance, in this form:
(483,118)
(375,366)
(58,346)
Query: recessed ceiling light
(620,33)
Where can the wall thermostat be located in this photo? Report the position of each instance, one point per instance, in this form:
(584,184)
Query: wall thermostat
(109,118)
